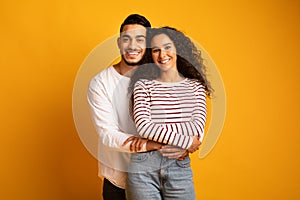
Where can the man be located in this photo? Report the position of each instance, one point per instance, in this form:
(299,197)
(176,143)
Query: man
(109,102)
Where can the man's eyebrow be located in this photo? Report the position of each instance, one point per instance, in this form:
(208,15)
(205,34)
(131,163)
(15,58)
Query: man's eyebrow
(128,36)
(125,35)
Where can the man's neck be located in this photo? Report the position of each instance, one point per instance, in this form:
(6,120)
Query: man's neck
(124,69)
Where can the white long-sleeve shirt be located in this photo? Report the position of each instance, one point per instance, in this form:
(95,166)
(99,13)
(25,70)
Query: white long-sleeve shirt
(170,113)
(109,102)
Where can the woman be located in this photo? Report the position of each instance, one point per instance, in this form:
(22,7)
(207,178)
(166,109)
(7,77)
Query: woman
(170,108)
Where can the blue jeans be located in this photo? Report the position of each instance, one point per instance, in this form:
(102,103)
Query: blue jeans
(154,177)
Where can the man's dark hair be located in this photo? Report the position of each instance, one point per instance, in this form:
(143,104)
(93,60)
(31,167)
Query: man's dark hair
(135,19)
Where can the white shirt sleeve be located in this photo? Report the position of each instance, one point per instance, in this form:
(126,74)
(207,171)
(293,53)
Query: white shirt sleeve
(104,120)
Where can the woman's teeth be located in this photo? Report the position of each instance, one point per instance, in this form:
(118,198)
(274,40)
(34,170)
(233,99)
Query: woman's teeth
(164,61)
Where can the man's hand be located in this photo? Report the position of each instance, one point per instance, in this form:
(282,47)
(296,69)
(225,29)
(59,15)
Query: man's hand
(151,145)
(136,143)
(174,152)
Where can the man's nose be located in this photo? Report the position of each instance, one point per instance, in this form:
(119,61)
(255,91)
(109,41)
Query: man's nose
(133,44)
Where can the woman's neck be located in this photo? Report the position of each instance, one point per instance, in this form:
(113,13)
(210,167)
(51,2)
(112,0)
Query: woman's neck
(170,76)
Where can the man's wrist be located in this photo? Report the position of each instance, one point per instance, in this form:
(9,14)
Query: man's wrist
(144,147)
(151,145)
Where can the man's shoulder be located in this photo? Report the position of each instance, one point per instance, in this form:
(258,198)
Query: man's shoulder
(107,72)
(102,77)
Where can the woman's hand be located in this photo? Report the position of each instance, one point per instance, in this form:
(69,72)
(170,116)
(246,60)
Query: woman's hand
(195,145)
(174,152)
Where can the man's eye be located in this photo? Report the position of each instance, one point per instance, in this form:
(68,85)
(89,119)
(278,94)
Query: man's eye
(125,39)
(140,40)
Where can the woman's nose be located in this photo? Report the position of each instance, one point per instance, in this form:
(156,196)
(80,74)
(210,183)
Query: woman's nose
(162,54)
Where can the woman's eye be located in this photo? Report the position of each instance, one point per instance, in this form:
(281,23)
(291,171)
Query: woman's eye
(168,47)
(155,50)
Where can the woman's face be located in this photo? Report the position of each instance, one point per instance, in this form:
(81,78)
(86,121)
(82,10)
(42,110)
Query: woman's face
(163,52)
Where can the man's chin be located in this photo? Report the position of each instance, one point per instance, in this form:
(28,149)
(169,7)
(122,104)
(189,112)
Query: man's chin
(133,63)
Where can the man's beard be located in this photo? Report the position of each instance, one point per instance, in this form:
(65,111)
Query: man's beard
(132,64)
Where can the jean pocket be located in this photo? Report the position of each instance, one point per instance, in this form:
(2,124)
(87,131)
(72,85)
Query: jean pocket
(139,157)
(184,163)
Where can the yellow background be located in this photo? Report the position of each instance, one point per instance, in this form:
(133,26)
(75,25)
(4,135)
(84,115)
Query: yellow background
(255,45)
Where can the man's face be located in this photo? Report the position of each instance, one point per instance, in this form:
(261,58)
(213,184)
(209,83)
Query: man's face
(132,43)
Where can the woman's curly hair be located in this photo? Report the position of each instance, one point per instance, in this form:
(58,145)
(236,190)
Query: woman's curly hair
(189,60)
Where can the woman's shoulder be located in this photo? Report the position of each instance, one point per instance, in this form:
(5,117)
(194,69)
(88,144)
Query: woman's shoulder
(144,83)
(195,84)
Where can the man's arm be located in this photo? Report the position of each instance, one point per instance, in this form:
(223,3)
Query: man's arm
(105,123)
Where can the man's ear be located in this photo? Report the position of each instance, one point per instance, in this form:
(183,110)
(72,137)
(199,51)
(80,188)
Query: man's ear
(118,41)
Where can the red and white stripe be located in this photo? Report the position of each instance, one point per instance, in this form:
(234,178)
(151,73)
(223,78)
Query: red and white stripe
(170,113)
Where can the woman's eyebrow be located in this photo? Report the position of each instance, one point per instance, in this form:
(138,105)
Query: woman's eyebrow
(163,45)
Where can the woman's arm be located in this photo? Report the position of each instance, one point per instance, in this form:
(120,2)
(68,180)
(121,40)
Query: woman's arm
(164,132)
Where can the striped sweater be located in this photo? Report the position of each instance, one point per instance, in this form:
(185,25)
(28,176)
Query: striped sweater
(170,113)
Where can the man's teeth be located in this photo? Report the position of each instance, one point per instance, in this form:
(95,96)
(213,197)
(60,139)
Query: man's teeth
(133,53)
